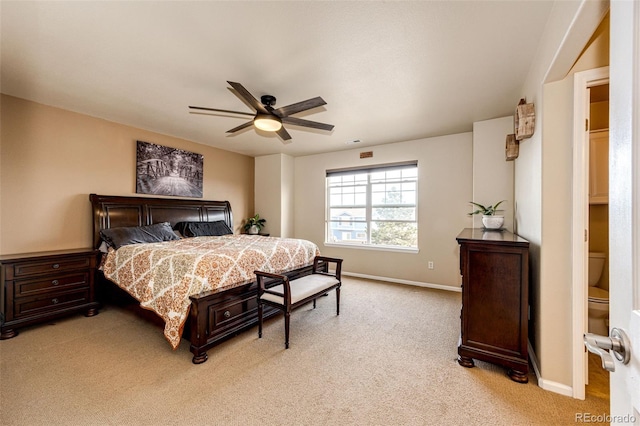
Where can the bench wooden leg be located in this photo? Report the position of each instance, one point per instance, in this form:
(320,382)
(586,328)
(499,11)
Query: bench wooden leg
(259,320)
(338,301)
(287,317)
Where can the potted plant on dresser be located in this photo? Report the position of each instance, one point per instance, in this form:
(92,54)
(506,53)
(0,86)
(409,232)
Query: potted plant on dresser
(254,225)
(490,218)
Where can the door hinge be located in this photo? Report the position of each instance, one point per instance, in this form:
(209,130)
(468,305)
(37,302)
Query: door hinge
(586,237)
(586,125)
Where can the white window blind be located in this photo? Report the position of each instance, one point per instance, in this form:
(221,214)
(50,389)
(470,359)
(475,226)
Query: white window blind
(373,205)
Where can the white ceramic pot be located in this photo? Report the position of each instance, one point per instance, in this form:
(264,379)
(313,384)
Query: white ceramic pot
(493,221)
(254,230)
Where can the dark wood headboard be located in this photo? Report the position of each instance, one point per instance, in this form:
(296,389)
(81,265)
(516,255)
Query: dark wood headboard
(114,211)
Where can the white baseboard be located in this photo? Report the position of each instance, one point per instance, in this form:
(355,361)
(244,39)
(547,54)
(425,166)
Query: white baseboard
(556,387)
(406,282)
(548,385)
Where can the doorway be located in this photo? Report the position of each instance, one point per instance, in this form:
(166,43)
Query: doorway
(597,378)
(583,83)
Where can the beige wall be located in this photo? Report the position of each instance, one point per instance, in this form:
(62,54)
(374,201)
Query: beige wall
(599,115)
(268,193)
(444,190)
(556,253)
(543,182)
(274,193)
(556,260)
(53,159)
(287,203)
(492,174)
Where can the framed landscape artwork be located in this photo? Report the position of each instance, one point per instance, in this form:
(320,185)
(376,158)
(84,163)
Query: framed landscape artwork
(161,170)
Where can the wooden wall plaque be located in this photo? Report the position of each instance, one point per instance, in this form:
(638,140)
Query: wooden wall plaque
(512,148)
(525,120)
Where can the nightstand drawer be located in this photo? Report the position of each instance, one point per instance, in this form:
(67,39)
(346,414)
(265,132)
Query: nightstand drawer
(28,306)
(56,282)
(25,269)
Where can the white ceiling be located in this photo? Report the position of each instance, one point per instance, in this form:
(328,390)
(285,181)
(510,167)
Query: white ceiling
(389,71)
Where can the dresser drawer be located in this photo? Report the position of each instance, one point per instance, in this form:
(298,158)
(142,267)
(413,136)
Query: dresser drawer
(54,282)
(28,306)
(35,267)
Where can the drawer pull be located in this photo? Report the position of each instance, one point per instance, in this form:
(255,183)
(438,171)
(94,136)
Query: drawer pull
(55,282)
(56,266)
(54,301)
(227,314)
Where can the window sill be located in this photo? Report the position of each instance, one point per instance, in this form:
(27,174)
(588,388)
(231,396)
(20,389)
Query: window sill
(375,248)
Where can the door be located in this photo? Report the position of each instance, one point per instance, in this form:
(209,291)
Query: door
(624,204)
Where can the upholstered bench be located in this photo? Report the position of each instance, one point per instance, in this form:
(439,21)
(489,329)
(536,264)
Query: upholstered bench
(281,293)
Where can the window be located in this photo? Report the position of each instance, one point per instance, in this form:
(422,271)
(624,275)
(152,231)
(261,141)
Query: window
(373,206)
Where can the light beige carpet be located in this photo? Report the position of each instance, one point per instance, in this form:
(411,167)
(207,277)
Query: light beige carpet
(388,359)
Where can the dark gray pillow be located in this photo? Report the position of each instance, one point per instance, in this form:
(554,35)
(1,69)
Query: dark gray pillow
(158,232)
(198,229)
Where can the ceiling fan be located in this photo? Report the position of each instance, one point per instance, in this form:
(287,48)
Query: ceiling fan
(269,119)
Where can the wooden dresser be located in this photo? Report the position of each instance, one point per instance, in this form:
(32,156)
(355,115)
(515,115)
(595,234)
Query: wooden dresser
(495,287)
(37,287)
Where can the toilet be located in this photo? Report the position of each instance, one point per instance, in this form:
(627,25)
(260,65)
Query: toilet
(598,297)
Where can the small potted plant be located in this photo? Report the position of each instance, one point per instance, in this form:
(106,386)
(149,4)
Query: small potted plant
(254,225)
(490,218)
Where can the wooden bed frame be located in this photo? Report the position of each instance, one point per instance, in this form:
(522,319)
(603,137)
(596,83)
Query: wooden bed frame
(214,316)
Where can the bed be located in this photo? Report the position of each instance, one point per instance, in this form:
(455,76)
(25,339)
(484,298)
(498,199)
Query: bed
(227,307)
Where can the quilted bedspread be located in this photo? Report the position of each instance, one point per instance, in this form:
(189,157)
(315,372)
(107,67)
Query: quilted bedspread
(162,276)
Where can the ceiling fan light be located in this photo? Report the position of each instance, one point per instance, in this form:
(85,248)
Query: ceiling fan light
(268,123)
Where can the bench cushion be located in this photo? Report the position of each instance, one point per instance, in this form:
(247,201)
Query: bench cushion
(301,288)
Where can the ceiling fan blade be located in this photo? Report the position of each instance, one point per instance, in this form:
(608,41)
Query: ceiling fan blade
(240,127)
(239,88)
(307,123)
(283,134)
(299,107)
(222,110)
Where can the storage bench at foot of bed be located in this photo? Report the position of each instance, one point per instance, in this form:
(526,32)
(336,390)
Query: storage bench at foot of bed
(215,317)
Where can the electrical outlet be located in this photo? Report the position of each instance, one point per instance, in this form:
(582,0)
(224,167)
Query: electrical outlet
(430,265)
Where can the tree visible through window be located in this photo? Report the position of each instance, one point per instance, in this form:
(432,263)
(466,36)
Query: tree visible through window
(373,206)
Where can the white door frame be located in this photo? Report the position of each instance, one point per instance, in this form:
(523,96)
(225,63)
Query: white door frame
(582,81)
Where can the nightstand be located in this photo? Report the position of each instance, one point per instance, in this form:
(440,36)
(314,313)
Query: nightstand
(37,287)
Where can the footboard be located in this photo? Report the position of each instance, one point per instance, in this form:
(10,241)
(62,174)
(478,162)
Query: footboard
(215,317)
